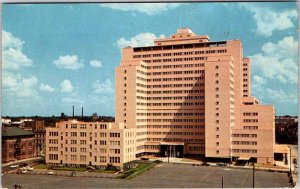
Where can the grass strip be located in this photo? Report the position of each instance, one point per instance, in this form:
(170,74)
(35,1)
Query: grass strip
(141,168)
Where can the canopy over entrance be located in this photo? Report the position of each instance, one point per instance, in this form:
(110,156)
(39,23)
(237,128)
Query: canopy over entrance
(243,158)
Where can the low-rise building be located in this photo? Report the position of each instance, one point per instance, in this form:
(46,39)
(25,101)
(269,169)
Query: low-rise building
(79,144)
(17,144)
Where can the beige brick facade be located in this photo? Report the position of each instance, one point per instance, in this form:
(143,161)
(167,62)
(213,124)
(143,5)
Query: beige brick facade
(183,96)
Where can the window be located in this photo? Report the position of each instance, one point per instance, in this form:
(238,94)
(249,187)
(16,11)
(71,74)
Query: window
(125,78)
(217,143)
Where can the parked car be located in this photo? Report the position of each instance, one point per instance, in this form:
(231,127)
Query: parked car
(23,168)
(204,164)
(50,172)
(91,168)
(24,171)
(221,164)
(14,166)
(29,168)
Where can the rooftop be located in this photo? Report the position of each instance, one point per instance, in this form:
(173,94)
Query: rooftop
(15,131)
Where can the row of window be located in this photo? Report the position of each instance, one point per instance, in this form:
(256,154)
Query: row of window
(176,72)
(84,126)
(177,133)
(171,79)
(196,148)
(245,135)
(171,120)
(180,53)
(53,156)
(175,59)
(170,85)
(171,91)
(201,141)
(174,66)
(250,120)
(180,46)
(170,114)
(251,127)
(244,150)
(171,104)
(172,126)
(53,133)
(250,114)
(244,142)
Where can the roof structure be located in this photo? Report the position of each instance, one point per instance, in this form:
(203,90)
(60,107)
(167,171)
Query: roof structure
(15,132)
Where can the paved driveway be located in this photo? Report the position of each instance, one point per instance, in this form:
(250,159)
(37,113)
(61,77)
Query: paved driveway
(162,176)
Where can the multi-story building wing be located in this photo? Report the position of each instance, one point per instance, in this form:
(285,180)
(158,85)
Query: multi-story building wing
(188,95)
(78,143)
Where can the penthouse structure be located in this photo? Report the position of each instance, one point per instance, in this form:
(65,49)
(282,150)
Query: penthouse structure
(183,96)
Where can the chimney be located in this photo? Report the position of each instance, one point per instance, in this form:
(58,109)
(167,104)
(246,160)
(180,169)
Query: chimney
(73,111)
(81,111)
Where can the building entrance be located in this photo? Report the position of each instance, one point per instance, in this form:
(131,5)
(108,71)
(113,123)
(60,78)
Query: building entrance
(171,150)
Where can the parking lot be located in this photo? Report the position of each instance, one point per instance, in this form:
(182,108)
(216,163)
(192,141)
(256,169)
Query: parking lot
(162,176)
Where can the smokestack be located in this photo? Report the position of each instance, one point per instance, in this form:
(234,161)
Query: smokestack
(73,111)
(81,111)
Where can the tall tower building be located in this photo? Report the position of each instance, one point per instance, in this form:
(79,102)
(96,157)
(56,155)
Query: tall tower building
(187,95)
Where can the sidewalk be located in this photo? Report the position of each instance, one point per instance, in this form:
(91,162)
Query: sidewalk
(197,162)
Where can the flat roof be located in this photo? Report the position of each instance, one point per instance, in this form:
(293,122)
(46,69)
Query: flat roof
(281,148)
(15,131)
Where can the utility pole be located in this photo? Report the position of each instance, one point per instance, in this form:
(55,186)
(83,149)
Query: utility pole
(253,176)
(168,154)
(290,161)
(222,183)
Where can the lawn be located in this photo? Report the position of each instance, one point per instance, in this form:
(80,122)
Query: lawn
(41,166)
(141,168)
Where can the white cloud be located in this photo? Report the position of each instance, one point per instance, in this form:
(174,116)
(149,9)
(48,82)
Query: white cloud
(70,62)
(142,39)
(147,8)
(105,87)
(46,88)
(278,61)
(96,63)
(12,55)
(66,86)
(18,86)
(268,21)
(71,100)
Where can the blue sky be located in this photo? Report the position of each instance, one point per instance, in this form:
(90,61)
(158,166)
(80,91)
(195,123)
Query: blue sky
(57,55)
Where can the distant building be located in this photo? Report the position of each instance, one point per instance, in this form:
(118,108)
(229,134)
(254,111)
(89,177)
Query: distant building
(38,128)
(280,120)
(17,144)
(5,121)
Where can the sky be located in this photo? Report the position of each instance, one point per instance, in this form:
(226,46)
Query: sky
(58,55)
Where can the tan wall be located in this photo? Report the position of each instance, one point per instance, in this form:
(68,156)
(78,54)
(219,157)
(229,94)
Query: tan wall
(88,148)
(257,120)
